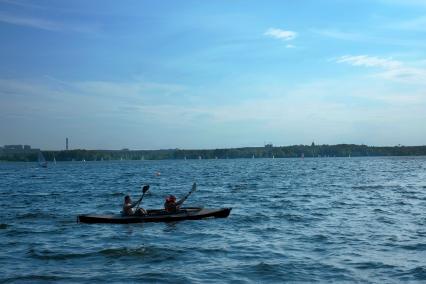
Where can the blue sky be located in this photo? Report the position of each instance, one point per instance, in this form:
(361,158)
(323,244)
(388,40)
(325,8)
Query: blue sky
(212,74)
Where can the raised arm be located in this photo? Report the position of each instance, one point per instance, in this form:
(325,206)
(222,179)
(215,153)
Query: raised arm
(180,202)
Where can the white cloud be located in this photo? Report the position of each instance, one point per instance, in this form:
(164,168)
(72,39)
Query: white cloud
(369,61)
(392,69)
(280,34)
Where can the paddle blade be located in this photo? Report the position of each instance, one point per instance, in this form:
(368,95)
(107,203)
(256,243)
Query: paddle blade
(194,187)
(145,188)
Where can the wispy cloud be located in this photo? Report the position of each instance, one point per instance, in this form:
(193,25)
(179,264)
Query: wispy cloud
(47,25)
(369,61)
(29,22)
(342,35)
(392,69)
(420,3)
(102,108)
(369,37)
(415,24)
(280,34)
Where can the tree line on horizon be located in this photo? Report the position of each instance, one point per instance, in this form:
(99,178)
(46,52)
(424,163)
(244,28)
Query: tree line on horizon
(269,151)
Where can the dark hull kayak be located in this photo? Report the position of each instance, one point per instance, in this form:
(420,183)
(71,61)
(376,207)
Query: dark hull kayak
(157,216)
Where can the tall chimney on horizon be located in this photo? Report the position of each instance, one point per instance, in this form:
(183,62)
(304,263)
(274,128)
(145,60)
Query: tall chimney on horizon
(66,143)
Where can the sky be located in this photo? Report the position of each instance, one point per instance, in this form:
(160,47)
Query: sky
(212,74)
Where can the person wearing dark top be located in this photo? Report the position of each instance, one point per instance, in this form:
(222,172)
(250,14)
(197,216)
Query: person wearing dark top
(170,204)
(128,207)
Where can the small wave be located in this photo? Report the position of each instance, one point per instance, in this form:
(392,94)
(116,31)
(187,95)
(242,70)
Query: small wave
(318,238)
(49,255)
(31,278)
(36,215)
(373,265)
(292,217)
(3,226)
(109,253)
(263,271)
(117,252)
(266,267)
(256,218)
(153,253)
(368,187)
(418,273)
(378,210)
(385,220)
(415,247)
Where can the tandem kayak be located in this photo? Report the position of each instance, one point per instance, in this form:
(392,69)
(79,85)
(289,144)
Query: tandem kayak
(189,213)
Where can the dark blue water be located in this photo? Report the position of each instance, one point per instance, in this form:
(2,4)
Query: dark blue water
(329,219)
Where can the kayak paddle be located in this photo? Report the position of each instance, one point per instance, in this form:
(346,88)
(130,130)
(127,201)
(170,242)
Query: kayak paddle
(144,190)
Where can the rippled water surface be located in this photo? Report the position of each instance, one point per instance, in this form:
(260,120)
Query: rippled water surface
(322,219)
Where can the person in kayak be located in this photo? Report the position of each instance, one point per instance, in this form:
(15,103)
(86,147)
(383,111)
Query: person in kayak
(128,207)
(170,205)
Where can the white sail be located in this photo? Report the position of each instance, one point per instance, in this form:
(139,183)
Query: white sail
(41,160)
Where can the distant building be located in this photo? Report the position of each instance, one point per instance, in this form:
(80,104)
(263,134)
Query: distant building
(12,149)
(66,143)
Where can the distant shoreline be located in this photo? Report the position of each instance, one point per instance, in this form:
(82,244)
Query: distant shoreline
(269,151)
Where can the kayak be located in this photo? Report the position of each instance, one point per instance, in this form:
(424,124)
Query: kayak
(157,215)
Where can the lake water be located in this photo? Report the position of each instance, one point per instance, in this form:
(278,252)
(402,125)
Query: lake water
(317,219)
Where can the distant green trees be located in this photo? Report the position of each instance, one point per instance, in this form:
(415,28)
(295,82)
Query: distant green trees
(269,151)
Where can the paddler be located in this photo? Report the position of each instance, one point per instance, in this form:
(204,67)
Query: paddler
(128,207)
(170,204)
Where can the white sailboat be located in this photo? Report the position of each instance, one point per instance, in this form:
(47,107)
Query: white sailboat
(54,160)
(41,160)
